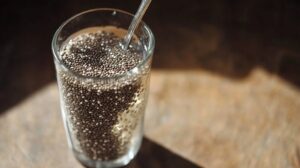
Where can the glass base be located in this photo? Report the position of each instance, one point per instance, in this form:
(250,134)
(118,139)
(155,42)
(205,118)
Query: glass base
(122,161)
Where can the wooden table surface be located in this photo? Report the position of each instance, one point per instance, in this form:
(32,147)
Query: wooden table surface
(193,119)
(225,85)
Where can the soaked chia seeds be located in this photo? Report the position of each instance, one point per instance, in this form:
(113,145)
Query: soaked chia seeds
(102,115)
(99,54)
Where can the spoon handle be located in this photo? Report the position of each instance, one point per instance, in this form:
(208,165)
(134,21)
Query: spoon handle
(135,22)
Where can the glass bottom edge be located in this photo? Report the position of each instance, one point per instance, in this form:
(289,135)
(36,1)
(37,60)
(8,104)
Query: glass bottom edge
(122,161)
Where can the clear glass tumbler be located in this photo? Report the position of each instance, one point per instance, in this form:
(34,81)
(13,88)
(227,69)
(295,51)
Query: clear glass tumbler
(103,116)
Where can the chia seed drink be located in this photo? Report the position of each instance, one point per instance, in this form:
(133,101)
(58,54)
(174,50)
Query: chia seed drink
(103,93)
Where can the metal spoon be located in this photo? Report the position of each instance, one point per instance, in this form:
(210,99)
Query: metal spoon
(135,22)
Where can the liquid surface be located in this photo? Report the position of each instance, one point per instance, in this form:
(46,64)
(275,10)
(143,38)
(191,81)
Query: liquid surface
(97,52)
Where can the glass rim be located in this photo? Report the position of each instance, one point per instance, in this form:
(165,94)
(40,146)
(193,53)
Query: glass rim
(149,51)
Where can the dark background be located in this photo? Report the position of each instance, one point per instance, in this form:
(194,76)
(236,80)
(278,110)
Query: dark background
(250,34)
(226,37)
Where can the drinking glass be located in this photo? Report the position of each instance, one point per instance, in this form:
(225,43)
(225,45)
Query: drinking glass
(103,116)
